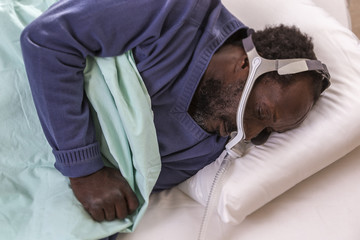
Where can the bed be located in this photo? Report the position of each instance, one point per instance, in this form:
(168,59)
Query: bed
(273,192)
(301,184)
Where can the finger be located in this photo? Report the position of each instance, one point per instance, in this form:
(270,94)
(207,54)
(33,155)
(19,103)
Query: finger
(97,214)
(132,201)
(110,212)
(121,208)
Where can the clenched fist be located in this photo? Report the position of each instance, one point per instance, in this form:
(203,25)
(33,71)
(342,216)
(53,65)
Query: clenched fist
(105,194)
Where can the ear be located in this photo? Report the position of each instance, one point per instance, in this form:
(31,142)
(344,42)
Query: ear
(243,63)
(242,67)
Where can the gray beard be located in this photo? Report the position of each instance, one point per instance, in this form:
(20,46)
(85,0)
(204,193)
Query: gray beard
(211,98)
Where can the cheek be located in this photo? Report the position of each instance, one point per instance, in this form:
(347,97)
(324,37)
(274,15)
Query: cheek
(227,105)
(252,125)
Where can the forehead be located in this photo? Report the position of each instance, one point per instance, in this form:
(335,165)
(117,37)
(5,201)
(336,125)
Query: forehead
(288,104)
(293,104)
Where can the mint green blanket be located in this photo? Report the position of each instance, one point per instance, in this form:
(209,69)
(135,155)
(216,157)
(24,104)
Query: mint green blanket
(36,201)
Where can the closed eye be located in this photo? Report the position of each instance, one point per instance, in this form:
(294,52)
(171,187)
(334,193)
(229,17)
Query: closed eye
(262,113)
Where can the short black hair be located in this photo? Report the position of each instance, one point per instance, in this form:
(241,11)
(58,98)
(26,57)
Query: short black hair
(283,42)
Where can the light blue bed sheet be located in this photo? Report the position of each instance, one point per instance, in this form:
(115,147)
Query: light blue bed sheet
(36,201)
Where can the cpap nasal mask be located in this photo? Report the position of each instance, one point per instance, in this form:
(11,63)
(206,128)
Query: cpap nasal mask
(258,66)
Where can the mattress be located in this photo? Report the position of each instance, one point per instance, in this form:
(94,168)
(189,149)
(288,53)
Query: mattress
(324,206)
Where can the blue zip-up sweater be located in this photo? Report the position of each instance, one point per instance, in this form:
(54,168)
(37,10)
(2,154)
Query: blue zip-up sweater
(172,41)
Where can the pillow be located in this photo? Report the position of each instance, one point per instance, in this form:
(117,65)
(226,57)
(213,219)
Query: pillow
(331,130)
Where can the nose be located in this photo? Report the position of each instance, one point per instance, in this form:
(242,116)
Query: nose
(262,137)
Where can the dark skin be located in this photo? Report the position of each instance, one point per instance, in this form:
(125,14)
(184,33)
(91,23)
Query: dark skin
(107,196)
(270,106)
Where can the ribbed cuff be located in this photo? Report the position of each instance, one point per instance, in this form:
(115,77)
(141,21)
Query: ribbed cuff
(79,162)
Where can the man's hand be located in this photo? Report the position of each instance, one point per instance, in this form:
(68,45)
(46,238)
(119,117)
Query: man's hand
(105,194)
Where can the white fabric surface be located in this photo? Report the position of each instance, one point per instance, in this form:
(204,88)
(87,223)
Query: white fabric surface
(337,9)
(324,206)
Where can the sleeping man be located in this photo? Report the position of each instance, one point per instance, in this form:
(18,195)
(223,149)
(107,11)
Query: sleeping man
(192,59)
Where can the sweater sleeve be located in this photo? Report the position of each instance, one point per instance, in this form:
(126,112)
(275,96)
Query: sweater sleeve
(55,47)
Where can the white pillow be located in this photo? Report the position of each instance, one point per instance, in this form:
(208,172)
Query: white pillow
(331,130)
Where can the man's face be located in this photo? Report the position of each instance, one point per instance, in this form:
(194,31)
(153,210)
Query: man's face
(274,108)
(217,105)
(216,99)
(270,107)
